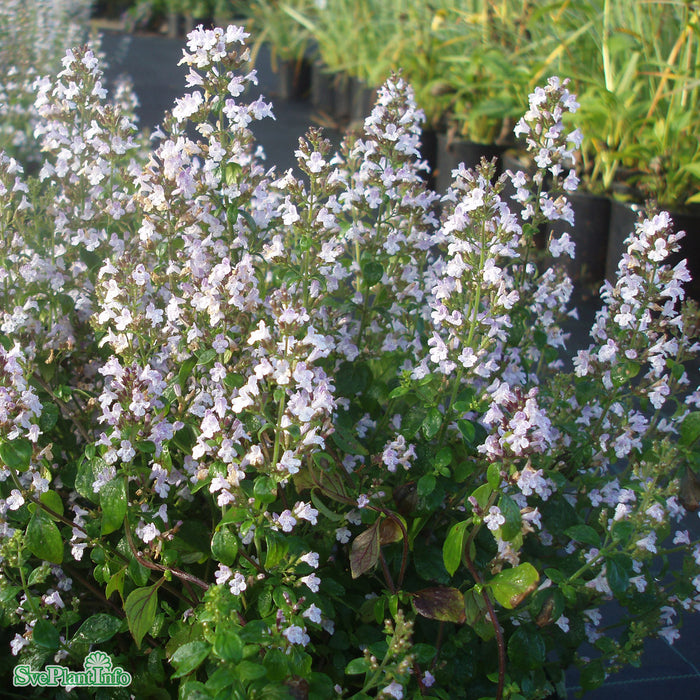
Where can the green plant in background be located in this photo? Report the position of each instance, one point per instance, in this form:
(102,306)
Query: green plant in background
(638,94)
(273,24)
(268,436)
(667,151)
(418,44)
(487,61)
(351,36)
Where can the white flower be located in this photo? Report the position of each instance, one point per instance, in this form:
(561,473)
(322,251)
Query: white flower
(15,500)
(394,689)
(494,519)
(18,643)
(310,558)
(223,574)
(237,584)
(147,532)
(306,512)
(286,520)
(296,635)
(312,581)
(343,535)
(313,613)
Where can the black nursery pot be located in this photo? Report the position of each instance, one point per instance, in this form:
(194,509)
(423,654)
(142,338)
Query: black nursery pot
(590,235)
(363,99)
(623,217)
(428,152)
(293,79)
(342,94)
(689,221)
(322,89)
(452,152)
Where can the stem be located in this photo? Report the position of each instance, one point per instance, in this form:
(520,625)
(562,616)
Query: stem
(25,587)
(387,573)
(141,558)
(67,413)
(280,415)
(496,626)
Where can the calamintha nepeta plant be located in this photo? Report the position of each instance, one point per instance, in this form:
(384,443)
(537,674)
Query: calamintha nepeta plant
(303,434)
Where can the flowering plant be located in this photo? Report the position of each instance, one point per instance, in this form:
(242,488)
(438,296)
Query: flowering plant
(34,35)
(278,435)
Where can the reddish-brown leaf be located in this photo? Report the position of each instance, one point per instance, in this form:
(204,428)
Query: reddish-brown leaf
(390,531)
(364,553)
(441,603)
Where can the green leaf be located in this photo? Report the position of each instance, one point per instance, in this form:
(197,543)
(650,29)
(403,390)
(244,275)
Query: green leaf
(46,635)
(44,538)
(277,665)
(347,442)
(477,615)
(399,391)
(206,356)
(114,504)
(352,378)
(468,431)
(189,657)
(584,534)
(622,372)
(412,420)
(432,423)
(482,495)
(454,546)
(277,549)
(52,501)
(426,485)
(618,569)
(39,575)
(526,648)
(140,607)
(16,454)
(97,629)
(690,429)
(116,583)
(227,644)
(357,666)
(221,679)
(592,675)
(372,273)
(49,417)
(146,446)
(224,546)
(323,508)
(511,512)
(440,603)
(443,458)
(364,553)
(88,471)
(249,671)
(511,586)
(493,475)
(265,489)
(186,370)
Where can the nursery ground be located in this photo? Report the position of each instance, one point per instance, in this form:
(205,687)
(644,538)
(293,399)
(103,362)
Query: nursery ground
(151,61)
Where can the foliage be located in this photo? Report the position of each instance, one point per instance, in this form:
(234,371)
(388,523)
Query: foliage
(272,435)
(270,21)
(638,96)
